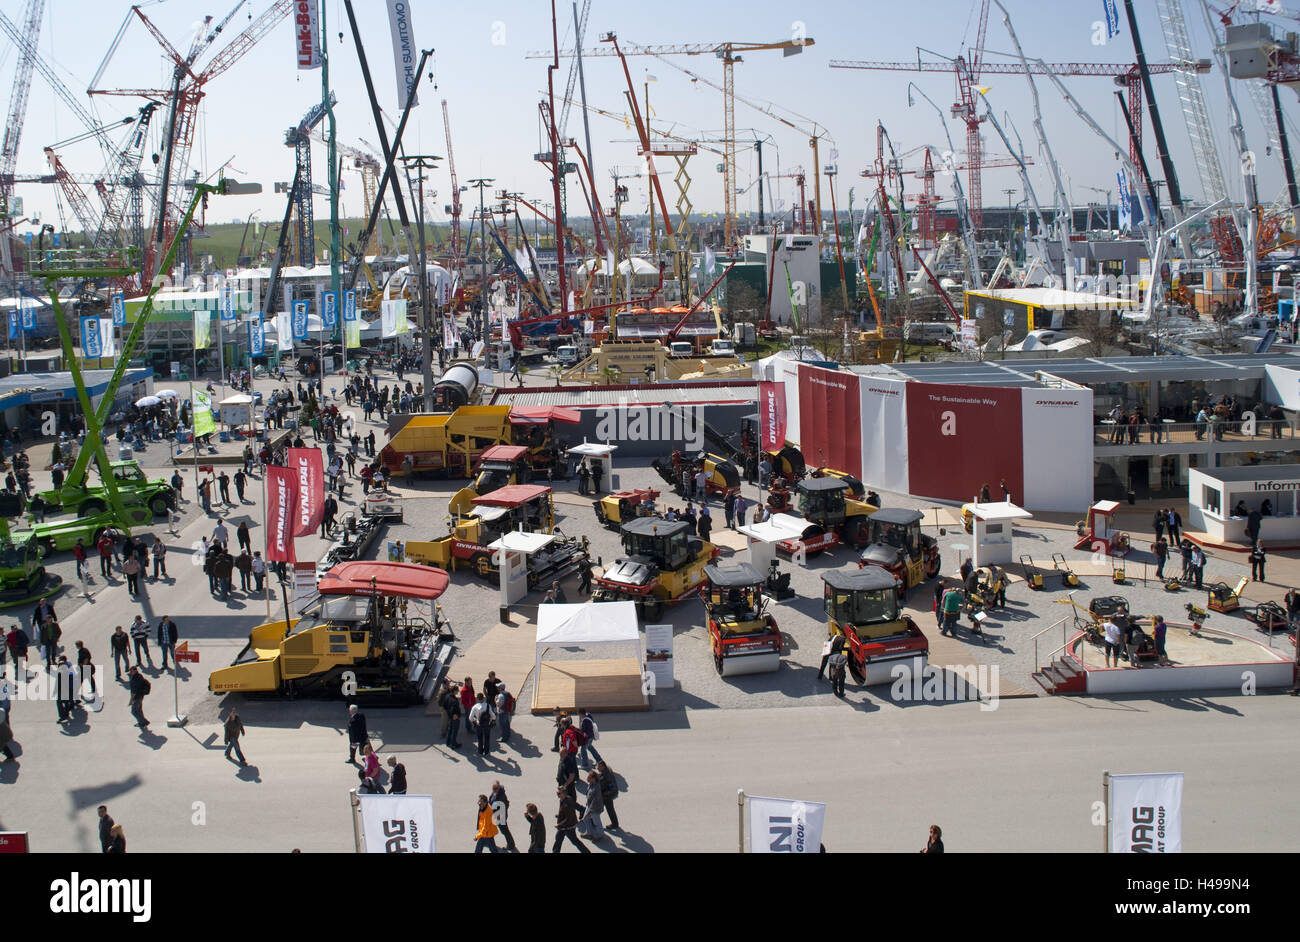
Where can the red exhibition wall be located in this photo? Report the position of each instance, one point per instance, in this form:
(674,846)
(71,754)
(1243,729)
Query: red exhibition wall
(962,437)
(830,419)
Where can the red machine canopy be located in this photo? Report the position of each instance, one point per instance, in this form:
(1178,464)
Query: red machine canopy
(540,415)
(403,580)
(504,453)
(512,495)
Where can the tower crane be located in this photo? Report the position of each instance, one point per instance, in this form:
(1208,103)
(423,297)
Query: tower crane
(453,209)
(728,52)
(14,125)
(183,98)
(299,138)
(968,72)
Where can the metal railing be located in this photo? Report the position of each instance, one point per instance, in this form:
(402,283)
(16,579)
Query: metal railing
(1190,432)
(1064,640)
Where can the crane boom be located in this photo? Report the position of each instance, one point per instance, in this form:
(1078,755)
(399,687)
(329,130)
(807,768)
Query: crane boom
(456,246)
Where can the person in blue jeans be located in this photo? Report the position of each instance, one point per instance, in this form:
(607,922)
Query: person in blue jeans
(588,727)
(503,705)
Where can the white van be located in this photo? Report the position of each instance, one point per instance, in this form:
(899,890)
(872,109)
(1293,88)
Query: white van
(566,355)
(681,348)
(722,347)
(930,332)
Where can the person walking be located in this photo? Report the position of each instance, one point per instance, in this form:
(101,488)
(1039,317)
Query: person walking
(66,689)
(704,524)
(584,475)
(1160,630)
(331,508)
(224,569)
(105,547)
(608,792)
(241,481)
(452,708)
(1198,565)
(7,738)
(234,729)
(834,645)
(701,492)
(244,563)
(588,732)
(357,733)
(242,537)
(1257,559)
(739,511)
(501,814)
(140,640)
(486,833)
(119,643)
(467,701)
(117,840)
(397,777)
(167,638)
(105,828)
(205,495)
(159,551)
(139,689)
(1174,525)
(50,632)
(1159,521)
(131,569)
(597,472)
(566,823)
(536,829)
(566,775)
(85,668)
(224,482)
(591,826)
(259,570)
(1161,548)
(505,705)
(79,552)
(934,844)
(480,718)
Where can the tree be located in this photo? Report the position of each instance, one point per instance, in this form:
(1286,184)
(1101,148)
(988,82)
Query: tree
(743,303)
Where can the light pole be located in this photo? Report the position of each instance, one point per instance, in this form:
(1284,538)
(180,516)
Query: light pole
(482,183)
(420,163)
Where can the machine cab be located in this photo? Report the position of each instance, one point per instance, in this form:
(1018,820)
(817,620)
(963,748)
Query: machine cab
(822,500)
(733,596)
(665,542)
(501,465)
(864,600)
(524,507)
(897,528)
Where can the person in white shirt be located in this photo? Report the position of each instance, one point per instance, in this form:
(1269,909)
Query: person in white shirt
(1114,641)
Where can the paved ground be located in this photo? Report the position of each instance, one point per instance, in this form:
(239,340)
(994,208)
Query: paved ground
(780,733)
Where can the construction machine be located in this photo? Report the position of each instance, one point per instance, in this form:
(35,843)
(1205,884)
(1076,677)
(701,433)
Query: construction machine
(133,487)
(23,577)
(897,545)
(618,507)
(744,638)
(862,605)
(497,467)
(363,637)
(827,517)
(723,475)
(664,564)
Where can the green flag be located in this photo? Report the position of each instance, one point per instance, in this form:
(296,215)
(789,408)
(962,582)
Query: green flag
(401,316)
(794,307)
(203,422)
(352,334)
(202,330)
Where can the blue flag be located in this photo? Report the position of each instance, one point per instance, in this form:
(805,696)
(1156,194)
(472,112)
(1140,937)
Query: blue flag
(29,316)
(349,305)
(227,302)
(13,325)
(90,342)
(119,309)
(299,320)
(256,334)
(1112,18)
(329,308)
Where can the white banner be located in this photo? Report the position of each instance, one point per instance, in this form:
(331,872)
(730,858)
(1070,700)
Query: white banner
(659,656)
(784,825)
(306,33)
(397,824)
(884,433)
(1146,813)
(107,339)
(388,319)
(405,54)
(1056,431)
(970,333)
(284,331)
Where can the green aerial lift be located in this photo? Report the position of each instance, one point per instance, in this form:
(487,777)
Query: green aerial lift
(124,498)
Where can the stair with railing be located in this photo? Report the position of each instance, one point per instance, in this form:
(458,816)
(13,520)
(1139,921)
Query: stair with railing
(1063,672)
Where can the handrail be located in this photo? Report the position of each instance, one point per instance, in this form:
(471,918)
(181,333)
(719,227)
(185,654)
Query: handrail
(1043,632)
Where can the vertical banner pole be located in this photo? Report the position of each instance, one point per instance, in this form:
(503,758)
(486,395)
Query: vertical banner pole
(266,543)
(740,819)
(355,808)
(1105,798)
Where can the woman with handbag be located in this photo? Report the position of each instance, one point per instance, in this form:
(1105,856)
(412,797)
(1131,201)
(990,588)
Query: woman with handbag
(590,826)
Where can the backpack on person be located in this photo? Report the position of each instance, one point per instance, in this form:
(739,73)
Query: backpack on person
(146,688)
(595,732)
(510,704)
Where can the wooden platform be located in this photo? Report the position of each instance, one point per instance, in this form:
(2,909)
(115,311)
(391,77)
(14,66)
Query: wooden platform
(506,649)
(604,686)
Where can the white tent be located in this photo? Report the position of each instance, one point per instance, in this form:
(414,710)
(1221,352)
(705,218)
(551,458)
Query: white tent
(638,266)
(585,625)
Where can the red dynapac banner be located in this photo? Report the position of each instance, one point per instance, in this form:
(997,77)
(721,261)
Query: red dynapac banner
(309,469)
(281,508)
(771,414)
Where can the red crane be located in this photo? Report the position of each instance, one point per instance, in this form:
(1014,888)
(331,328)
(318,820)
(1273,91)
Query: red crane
(968,74)
(184,98)
(454,210)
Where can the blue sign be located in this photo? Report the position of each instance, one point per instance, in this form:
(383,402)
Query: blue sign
(227,302)
(29,316)
(119,309)
(256,334)
(299,320)
(330,307)
(13,325)
(349,305)
(1112,18)
(90,341)
(56,240)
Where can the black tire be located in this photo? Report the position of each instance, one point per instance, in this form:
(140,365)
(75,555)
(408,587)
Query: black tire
(91,507)
(852,532)
(717,664)
(652,608)
(48,548)
(483,567)
(859,675)
(932,571)
(812,533)
(159,505)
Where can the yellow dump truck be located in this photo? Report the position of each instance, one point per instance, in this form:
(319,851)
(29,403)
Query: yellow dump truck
(447,444)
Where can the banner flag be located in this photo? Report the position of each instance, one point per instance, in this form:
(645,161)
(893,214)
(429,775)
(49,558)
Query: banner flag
(202,330)
(399,309)
(352,334)
(227,302)
(1146,813)
(309,467)
(771,410)
(256,334)
(784,826)
(299,320)
(119,309)
(107,340)
(349,306)
(306,33)
(406,55)
(204,423)
(284,331)
(29,314)
(329,308)
(90,340)
(281,499)
(397,824)
(388,319)
(450,338)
